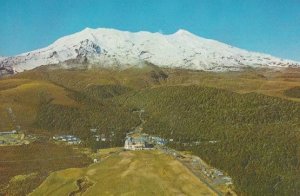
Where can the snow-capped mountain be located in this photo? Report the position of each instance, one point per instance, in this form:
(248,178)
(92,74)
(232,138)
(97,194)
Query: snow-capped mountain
(113,48)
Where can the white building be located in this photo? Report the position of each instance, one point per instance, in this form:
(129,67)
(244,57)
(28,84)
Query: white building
(134,144)
(139,143)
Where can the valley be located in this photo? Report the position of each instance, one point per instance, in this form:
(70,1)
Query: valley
(134,98)
(252,116)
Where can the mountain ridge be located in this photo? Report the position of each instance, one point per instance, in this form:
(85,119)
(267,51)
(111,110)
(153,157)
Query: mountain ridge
(104,47)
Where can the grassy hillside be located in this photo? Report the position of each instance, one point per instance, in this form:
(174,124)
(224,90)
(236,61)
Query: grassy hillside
(253,116)
(127,173)
(256,136)
(23,97)
(23,168)
(267,82)
(79,80)
(293,92)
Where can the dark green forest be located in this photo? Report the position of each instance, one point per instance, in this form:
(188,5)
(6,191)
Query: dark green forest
(110,119)
(256,136)
(293,92)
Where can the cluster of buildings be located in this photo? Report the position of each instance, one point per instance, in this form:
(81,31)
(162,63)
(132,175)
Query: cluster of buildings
(102,137)
(12,138)
(142,141)
(69,139)
(217,176)
(99,138)
(8,132)
(158,140)
(137,143)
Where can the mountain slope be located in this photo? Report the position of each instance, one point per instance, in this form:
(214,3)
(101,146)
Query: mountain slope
(256,136)
(113,48)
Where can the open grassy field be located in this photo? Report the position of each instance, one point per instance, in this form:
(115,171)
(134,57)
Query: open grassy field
(24,167)
(267,82)
(128,173)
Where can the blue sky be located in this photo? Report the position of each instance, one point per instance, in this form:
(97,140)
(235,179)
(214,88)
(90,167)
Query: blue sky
(270,26)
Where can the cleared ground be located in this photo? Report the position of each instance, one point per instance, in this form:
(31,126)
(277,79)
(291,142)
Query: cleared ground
(127,173)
